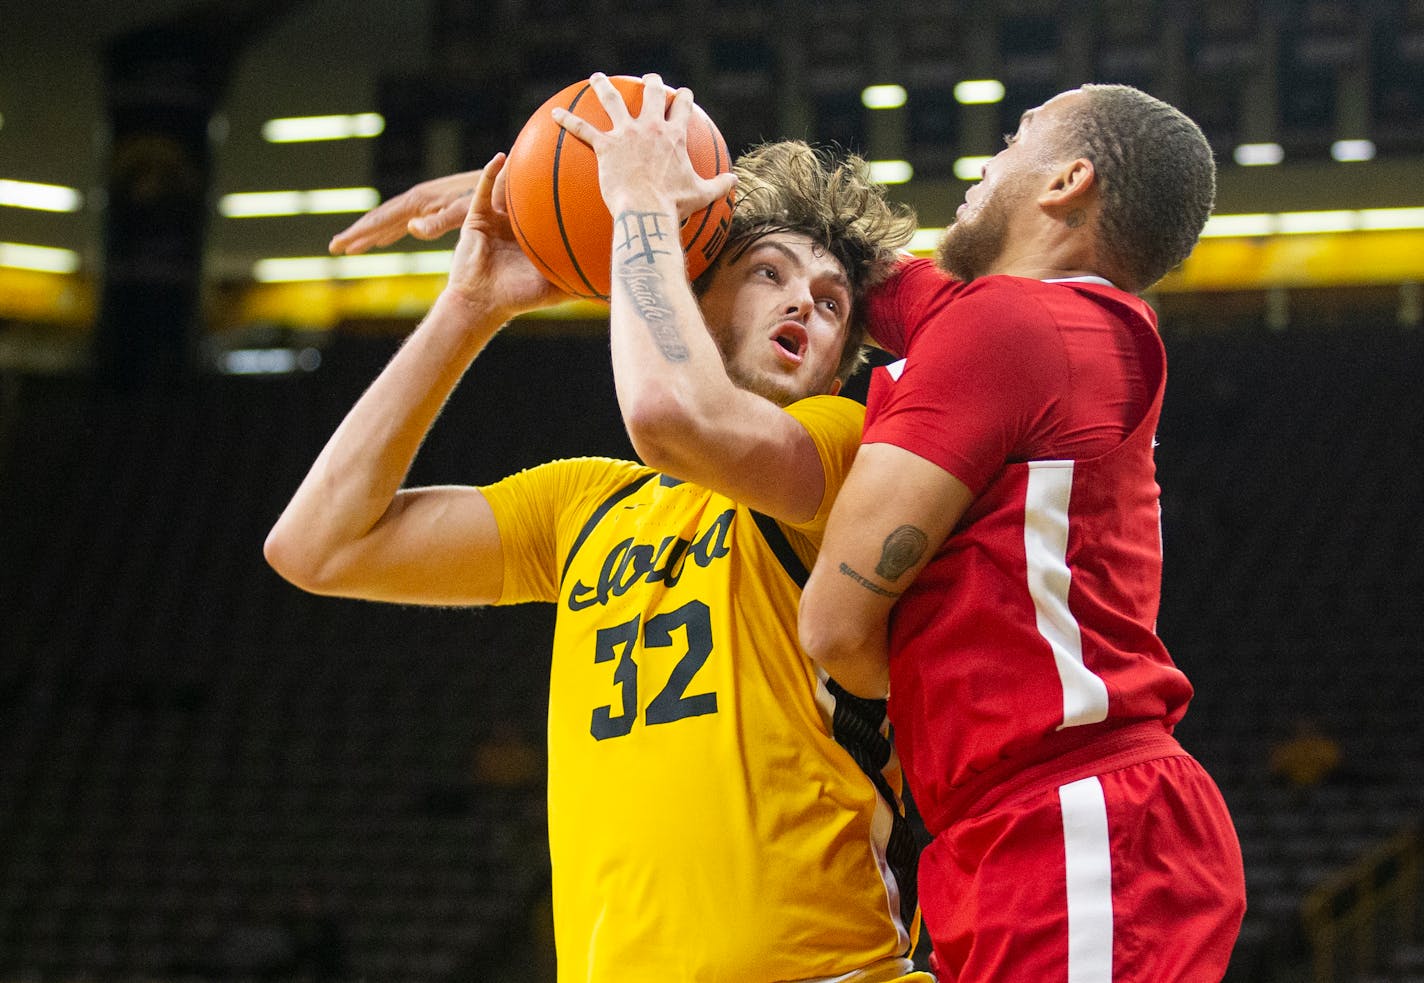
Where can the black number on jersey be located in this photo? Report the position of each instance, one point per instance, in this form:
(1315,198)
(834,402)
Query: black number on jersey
(617,643)
(670,703)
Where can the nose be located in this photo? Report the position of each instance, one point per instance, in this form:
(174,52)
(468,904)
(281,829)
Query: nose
(800,302)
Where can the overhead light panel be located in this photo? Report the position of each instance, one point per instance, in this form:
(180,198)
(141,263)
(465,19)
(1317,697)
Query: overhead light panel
(1258,154)
(321,201)
(970,168)
(1314,222)
(43,197)
(1254,224)
(301,129)
(978,92)
(890,171)
(42,259)
(1389,219)
(360,267)
(883,96)
(1347,151)
(1301,223)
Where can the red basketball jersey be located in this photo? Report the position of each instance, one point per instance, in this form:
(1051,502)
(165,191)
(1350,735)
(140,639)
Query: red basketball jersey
(1032,630)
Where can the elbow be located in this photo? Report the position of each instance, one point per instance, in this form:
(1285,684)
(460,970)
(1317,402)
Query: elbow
(661,429)
(828,648)
(854,659)
(285,553)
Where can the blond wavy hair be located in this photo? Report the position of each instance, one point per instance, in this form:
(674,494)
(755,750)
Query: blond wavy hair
(790,186)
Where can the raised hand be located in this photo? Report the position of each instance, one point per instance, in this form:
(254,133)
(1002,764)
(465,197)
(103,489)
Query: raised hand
(426,211)
(489,268)
(644,158)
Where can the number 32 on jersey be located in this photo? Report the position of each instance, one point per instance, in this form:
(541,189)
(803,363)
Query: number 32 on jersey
(618,644)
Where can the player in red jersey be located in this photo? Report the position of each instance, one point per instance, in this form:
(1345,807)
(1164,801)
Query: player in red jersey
(994,561)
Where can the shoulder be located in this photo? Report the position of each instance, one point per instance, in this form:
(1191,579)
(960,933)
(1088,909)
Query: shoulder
(992,319)
(828,413)
(579,482)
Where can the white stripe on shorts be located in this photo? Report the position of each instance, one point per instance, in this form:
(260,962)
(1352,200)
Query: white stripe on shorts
(1088,863)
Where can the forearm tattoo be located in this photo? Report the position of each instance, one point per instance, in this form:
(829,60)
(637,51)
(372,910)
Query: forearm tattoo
(869,585)
(643,239)
(901,550)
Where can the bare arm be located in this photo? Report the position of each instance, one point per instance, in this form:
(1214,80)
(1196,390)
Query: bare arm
(893,513)
(683,414)
(351,529)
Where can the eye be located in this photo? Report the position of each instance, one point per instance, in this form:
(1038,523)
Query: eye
(831,304)
(768,272)
(1010,138)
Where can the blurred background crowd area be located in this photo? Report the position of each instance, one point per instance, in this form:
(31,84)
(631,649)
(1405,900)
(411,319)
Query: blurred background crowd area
(207,775)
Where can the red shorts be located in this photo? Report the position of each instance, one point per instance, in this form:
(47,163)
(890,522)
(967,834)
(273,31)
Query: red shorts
(1132,875)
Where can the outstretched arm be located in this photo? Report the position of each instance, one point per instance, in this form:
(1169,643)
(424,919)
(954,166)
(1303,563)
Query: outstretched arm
(893,513)
(351,529)
(427,211)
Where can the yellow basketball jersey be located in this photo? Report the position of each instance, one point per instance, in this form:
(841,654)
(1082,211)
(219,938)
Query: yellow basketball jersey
(705,822)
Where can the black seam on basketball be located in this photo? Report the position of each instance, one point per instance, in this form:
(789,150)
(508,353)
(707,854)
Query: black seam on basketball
(559,208)
(549,272)
(717,164)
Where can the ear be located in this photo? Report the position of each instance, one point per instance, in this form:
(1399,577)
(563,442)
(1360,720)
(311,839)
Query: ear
(835,387)
(1070,185)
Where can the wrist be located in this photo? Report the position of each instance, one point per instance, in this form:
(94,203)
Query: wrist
(641,201)
(470,314)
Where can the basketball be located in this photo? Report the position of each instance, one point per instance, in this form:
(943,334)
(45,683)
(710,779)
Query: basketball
(557,210)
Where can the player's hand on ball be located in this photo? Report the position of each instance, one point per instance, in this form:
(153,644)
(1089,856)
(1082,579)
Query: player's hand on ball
(643,159)
(426,211)
(489,269)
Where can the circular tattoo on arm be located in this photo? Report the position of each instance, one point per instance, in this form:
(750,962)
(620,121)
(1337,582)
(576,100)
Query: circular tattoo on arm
(901,551)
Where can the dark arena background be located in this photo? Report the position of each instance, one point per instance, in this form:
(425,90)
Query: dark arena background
(207,775)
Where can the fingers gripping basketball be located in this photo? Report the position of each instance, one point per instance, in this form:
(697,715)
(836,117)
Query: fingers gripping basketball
(555,206)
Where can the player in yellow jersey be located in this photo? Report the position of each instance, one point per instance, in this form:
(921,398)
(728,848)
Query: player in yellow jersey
(718,809)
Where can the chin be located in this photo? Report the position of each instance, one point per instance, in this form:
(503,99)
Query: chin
(961,254)
(782,392)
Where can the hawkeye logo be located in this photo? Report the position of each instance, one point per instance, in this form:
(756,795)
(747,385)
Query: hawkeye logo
(630,563)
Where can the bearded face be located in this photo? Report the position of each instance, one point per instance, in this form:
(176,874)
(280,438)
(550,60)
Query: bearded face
(976,240)
(980,237)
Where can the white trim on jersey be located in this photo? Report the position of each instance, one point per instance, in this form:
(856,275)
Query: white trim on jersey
(1085,695)
(895,368)
(1101,281)
(1088,869)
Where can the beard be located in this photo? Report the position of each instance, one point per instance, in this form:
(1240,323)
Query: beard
(971,246)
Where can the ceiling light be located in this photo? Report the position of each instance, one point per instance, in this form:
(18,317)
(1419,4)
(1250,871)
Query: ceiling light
(890,171)
(321,201)
(299,129)
(977,92)
(1258,154)
(43,197)
(360,267)
(970,168)
(1347,151)
(883,96)
(44,259)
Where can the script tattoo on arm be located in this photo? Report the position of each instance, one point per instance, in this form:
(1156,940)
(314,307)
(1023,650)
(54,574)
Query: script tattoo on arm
(643,239)
(901,550)
(869,585)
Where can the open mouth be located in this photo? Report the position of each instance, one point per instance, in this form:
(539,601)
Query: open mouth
(791,338)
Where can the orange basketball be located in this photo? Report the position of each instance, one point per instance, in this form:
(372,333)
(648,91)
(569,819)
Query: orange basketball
(557,210)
